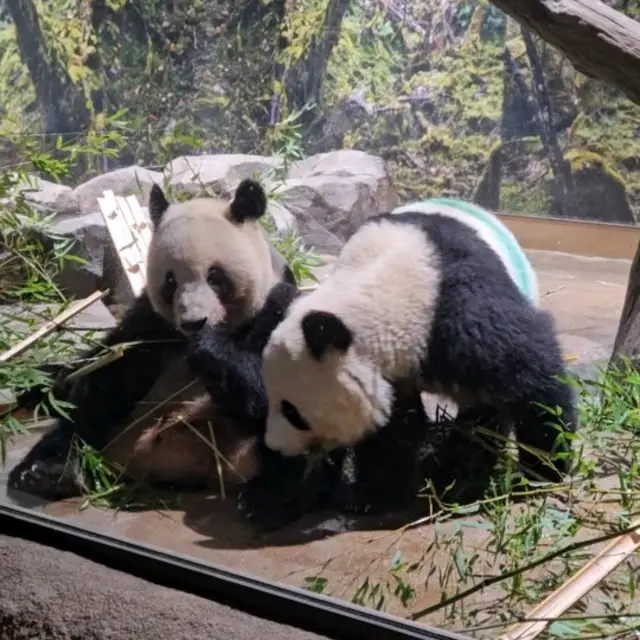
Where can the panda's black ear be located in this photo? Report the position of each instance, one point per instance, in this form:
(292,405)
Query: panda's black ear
(323,331)
(158,205)
(249,202)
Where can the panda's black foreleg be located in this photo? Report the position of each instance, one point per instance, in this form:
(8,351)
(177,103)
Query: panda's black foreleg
(228,362)
(286,489)
(383,473)
(465,458)
(102,400)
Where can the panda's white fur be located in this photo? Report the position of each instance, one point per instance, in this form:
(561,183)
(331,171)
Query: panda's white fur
(493,231)
(381,300)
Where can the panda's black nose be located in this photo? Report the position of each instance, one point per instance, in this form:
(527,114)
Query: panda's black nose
(193,326)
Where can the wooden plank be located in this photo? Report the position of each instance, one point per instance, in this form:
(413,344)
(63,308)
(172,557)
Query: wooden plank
(577,237)
(130,234)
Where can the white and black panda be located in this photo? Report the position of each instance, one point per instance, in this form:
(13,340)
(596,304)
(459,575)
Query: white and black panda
(215,289)
(436,296)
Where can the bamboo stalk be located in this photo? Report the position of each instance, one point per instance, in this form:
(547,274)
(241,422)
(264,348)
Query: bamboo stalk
(576,587)
(52,325)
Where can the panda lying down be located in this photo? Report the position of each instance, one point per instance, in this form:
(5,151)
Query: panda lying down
(215,290)
(436,297)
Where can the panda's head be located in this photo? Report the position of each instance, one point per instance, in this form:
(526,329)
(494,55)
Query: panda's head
(209,259)
(322,390)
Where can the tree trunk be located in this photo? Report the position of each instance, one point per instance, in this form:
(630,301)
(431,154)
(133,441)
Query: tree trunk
(600,42)
(62,104)
(627,342)
(306,81)
(560,167)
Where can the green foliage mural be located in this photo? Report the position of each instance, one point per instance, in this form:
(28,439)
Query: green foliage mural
(435,88)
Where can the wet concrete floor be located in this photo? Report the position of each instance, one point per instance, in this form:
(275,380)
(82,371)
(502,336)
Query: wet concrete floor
(585,296)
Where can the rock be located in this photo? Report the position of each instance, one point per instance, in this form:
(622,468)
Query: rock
(132,180)
(282,218)
(25,319)
(308,206)
(602,196)
(100,267)
(332,193)
(91,239)
(49,196)
(220,173)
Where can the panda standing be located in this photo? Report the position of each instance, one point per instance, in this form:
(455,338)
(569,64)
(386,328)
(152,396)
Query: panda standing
(435,296)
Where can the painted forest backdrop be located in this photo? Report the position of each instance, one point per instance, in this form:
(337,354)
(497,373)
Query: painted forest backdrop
(458,99)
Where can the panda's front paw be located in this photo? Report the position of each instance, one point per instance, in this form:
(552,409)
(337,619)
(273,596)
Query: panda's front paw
(274,500)
(354,499)
(203,347)
(365,500)
(264,508)
(52,478)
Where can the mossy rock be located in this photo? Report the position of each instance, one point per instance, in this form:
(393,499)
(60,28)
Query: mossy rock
(601,191)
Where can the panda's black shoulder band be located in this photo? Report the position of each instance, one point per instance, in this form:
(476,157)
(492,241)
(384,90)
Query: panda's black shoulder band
(249,201)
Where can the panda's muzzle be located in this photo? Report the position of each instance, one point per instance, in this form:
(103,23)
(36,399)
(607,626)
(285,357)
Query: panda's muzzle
(196,306)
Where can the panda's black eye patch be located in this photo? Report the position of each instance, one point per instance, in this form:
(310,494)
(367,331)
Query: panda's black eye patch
(220,282)
(168,287)
(293,416)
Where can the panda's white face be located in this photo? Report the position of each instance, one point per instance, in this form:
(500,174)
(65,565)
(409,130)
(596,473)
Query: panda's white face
(320,391)
(207,263)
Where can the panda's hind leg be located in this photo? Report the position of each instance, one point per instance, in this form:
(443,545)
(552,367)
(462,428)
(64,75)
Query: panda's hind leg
(541,423)
(102,400)
(51,469)
(496,348)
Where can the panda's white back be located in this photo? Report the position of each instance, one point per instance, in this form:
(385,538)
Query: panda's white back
(490,229)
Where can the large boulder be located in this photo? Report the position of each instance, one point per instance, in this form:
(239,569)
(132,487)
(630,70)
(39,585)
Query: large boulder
(47,196)
(325,198)
(127,181)
(91,240)
(217,173)
(601,191)
(332,193)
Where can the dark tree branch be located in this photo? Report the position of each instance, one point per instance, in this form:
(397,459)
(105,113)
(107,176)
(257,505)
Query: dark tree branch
(560,167)
(61,103)
(600,42)
(306,81)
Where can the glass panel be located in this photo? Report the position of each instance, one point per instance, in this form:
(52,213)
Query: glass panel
(341,110)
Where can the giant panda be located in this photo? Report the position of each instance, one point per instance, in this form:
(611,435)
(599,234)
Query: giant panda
(435,296)
(215,289)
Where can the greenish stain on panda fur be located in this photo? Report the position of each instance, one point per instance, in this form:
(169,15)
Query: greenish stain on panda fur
(516,254)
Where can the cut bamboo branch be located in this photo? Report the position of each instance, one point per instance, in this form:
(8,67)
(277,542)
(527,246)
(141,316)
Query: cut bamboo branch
(52,325)
(574,589)
(599,41)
